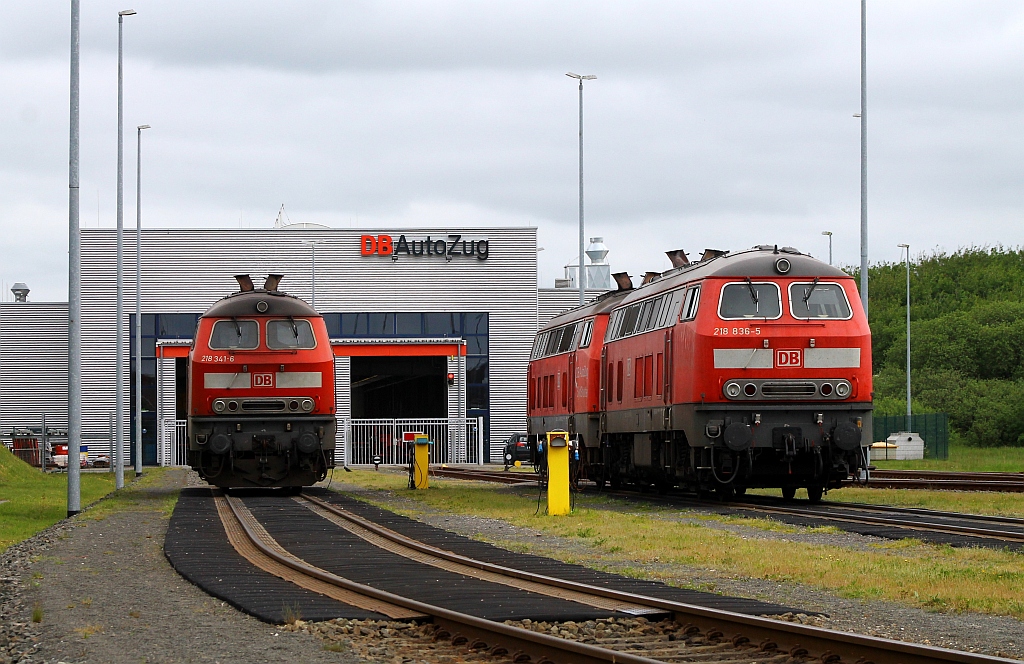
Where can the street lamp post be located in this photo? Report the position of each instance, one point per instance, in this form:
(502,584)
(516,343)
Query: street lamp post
(829,234)
(582,275)
(74,284)
(119,379)
(863,156)
(312,244)
(907,247)
(138,301)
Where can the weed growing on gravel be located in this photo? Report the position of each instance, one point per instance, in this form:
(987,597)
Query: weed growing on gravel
(89,630)
(938,578)
(291,614)
(37,613)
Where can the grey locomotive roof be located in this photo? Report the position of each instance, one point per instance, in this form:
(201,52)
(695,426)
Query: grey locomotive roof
(603,304)
(244,304)
(756,263)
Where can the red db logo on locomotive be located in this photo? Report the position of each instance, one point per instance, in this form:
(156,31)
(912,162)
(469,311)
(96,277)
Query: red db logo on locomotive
(263,380)
(788,358)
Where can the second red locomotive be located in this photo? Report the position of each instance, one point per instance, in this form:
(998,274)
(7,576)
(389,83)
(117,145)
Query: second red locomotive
(737,371)
(261,407)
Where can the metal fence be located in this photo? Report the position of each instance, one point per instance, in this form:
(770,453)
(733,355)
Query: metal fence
(453,440)
(173,447)
(932,427)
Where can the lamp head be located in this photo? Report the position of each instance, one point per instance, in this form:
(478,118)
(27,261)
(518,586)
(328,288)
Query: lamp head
(826,233)
(126,12)
(141,127)
(581,77)
(905,246)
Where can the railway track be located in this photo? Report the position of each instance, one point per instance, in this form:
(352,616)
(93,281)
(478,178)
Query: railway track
(946,481)
(994,528)
(685,632)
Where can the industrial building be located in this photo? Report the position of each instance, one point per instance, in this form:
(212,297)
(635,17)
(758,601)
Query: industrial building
(404,308)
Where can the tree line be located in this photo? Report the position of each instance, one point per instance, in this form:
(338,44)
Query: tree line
(967,341)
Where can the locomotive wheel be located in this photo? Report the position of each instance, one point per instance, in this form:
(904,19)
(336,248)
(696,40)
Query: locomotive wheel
(814,494)
(788,492)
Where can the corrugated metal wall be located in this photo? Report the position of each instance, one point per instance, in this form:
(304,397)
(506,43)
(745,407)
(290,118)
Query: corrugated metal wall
(186,270)
(553,301)
(34,364)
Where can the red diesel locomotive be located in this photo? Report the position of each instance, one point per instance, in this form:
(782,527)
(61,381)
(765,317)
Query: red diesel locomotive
(736,371)
(261,408)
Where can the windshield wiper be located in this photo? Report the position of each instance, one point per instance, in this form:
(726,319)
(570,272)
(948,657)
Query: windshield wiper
(810,290)
(295,328)
(753,294)
(238,328)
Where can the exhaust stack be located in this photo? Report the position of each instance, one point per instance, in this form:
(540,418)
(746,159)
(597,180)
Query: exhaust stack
(678,257)
(712,253)
(649,277)
(272,282)
(623,281)
(244,282)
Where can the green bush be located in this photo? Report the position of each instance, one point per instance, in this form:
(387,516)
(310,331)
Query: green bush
(967,341)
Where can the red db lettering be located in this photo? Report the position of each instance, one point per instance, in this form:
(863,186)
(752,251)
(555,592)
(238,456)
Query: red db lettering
(263,380)
(384,245)
(788,358)
(367,244)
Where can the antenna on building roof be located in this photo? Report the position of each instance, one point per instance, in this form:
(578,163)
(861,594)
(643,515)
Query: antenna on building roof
(282,216)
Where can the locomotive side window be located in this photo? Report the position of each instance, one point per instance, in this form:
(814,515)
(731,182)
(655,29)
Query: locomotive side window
(235,335)
(588,330)
(568,333)
(538,345)
(750,299)
(288,334)
(817,300)
(691,303)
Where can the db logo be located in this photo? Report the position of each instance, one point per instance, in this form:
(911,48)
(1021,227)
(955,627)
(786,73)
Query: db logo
(787,358)
(263,380)
(380,244)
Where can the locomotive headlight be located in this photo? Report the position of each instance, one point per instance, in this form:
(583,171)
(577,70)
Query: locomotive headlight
(219,405)
(842,389)
(732,390)
(307,405)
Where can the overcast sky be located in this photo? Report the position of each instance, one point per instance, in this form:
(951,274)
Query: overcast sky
(712,124)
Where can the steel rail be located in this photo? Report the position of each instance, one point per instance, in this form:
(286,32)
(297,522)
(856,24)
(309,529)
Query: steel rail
(949,529)
(512,638)
(829,645)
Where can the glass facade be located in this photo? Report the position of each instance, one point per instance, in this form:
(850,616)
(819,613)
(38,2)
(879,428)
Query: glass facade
(154,326)
(469,326)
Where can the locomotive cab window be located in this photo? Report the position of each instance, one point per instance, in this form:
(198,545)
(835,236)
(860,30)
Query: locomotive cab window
(690,304)
(235,335)
(289,334)
(819,300)
(749,299)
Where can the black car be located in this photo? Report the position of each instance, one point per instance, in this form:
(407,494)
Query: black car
(517,448)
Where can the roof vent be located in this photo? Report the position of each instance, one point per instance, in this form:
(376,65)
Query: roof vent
(712,253)
(272,281)
(623,281)
(649,277)
(244,282)
(20,291)
(678,257)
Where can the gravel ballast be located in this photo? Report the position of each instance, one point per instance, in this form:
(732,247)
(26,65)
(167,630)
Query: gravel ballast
(974,632)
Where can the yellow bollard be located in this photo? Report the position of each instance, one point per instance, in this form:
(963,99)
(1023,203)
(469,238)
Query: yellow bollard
(421,464)
(558,473)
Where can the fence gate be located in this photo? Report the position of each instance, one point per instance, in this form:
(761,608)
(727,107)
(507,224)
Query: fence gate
(172,449)
(453,440)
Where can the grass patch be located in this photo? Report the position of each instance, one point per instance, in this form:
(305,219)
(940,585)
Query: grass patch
(989,503)
(37,613)
(150,493)
(36,501)
(937,578)
(966,459)
(89,630)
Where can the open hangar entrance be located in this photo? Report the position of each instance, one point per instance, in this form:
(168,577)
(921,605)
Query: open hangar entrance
(399,387)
